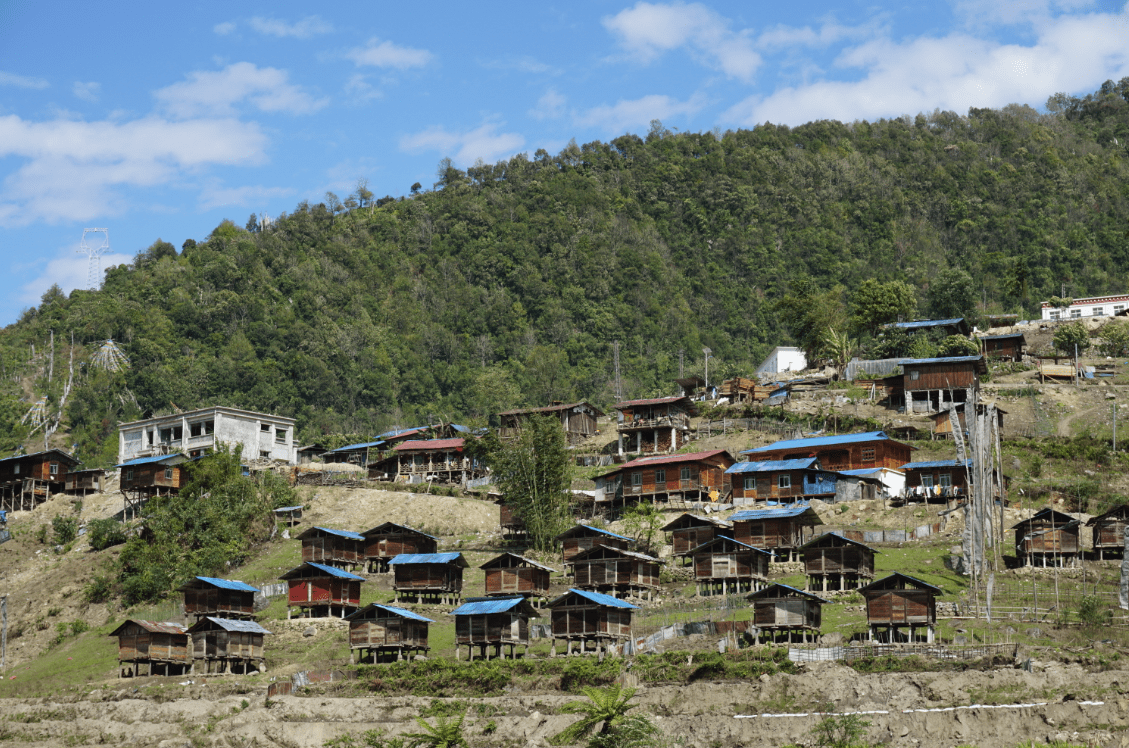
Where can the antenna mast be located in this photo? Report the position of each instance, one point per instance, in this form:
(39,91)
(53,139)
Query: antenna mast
(94,266)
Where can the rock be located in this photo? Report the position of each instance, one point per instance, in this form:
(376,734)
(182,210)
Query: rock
(960,639)
(1009,630)
(420,658)
(834,639)
(1034,632)
(310,631)
(253,673)
(175,743)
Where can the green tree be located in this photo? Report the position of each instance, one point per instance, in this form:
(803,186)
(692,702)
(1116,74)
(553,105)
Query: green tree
(809,313)
(952,294)
(957,345)
(447,732)
(605,720)
(874,304)
(841,731)
(1068,337)
(1115,339)
(839,347)
(643,521)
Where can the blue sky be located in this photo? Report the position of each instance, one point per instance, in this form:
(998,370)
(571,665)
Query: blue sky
(157,120)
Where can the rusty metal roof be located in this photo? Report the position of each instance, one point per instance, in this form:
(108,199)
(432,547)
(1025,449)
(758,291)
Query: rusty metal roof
(652,401)
(430,444)
(551,409)
(497,560)
(671,459)
(152,626)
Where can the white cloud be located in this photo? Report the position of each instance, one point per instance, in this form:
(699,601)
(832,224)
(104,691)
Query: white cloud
(304,29)
(549,106)
(954,72)
(216,196)
(389,55)
(524,64)
(21,81)
(215,93)
(68,270)
(225,28)
(87,91)
(988,12)
(464,147)
(75,170)
(360,90)
(632,113)
(780,37)
(648,30)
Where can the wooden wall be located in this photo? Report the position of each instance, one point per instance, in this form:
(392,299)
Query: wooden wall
(324,591)
(330,549)
(787,613)
(611,572)
(596,621)
(385,546)
(137,643)
(878,453)
(428,578)
(150,476)
(687,539)
(221,644)
(731,565)
(495,628)
(574,545)
(900,607)
(221,603)
(846,559)
(391,631)
(960,375)
(521,580)
(769,534)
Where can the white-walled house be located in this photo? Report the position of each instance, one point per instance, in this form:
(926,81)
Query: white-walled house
(196,432)
(783,358)
(1093,306)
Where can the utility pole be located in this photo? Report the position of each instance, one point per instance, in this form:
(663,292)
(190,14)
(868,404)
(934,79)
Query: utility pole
(3,631)
(681,357)
(618,388)
(1115,427)
(707,352)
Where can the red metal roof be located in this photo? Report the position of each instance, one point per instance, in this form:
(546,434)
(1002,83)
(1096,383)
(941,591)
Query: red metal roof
(652,401)
(430,444)
(667,459)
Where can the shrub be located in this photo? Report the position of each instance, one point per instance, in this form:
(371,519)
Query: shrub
(104,533)
(65,529)
(1092,612)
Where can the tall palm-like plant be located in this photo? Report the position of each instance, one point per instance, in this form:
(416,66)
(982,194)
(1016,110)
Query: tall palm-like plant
(606,708)
(447,732)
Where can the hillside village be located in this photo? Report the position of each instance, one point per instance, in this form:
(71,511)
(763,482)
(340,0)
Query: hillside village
(806,519)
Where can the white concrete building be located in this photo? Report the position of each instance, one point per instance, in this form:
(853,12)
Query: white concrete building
(783,358)
(1094,306)
(196,432)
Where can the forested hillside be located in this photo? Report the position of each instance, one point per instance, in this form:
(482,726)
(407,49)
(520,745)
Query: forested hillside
(507,284)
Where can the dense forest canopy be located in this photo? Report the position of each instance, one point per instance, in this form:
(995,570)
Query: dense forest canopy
(507,284)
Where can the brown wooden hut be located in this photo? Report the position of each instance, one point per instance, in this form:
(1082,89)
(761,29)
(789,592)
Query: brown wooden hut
(432,575)
(1007,347)
(26,481)
(145,477)
(384,632)
(493,622)
(656,425)
(674,479)
(872,449)
(688,531)
(779,530)
(441,461)
(339,548)
(82,482)
(227,646)
(780,609)
(723,566)
(389,540)
(602,568)
(943,423)
(931,384)
(590,617)
(220,598)
(577,419)
(1109,531)
(937,481)
(320,591)
(582,537)
(1048,535)
(781,481)
(832,561)
(512,526)
(161,648)
(511,574)
(899,601)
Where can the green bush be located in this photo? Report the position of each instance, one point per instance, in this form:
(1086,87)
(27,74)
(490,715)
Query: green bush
(65,530)
(104,533)
(1092,611)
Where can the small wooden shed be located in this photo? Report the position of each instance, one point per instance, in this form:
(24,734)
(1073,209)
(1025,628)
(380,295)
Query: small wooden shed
(688,531)
(26,481)
(511,574)
(608,569)
(780,530)
(339,548)
(590,617)
(780,609)
(512,526)
(832,561)
(897,602)
(432,575)
(320,591)
(723,566)
(388,540)
(82,482)
(161,648)
(1048,536)
(222,598)
(146,477)
(1109,531)
(493,622)
(1008,347)
(937,481)
(385,632)
(227,646)
(291,515)
(582,537)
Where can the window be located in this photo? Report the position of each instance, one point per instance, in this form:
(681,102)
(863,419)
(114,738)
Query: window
(17,468)
(685,475)
(660,476)
(196,429)
(54,468)
(1099,311)
(168,473)
(868,454)
(1118,309)
(750,484)
(280,436)
(1075,313)
(129,474)
(166,435)
(927,481)
(264,427)
(264,454)
(209,427)
(1056,314)
(914,375)
(150,433)
(946,480)
(636,479)
(784,480)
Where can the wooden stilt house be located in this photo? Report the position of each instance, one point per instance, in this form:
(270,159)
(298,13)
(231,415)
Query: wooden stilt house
(782,481)
(339,548)
(1048,536)
(386,541)
(834,562)
(586,617)
(582,537)
(493,622)
(82,482)
(145,477)
(723,566)
(383,632)
(26,481)
(898,602)
(156,648)
(1109,531)
(438,576)
(320,591)
(511,574)
(227,646)
(512,526)
(605,569)
(220,598)
(779,530)
(688,531)
(780,609)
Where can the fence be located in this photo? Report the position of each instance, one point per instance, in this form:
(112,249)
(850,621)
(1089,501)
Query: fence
(936,651)
(725,425)
(885,536)
(1044,601)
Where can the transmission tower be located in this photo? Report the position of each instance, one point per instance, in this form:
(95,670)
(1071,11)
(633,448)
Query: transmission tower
(94,266)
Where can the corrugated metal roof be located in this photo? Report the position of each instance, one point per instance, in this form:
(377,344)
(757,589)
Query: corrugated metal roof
(288,508)
(486,606)
(576,529)
(66,457)
(430,444)
(632,554)
(731,540)
(351,447)
(1003,337)
(881,584)
(428,558)
(936,464)
(596,597)
(166,627)
(681,520)
(861,471)
(785,512)
(227,584)
(390,609)
(383,525)
(246,627)
(766,592)
(331,571)
(1048,514)
(339,533)
(668,459)
(651,401)
(494,561)
(821,441)
(844,538)
(551,409)
(928,323)
(173,459)
(767,466)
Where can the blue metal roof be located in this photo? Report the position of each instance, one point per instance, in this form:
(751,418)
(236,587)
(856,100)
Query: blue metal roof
(154,458)
(599,598)
(333,572)
(593,529)
(768,466)
(390,609)
(342,533)
(820,441)
(861,471)
(229,584)
(486,607)
(227,624)
(397,432)
(936,464)
(928,323)
(288,508)
(351,447)
(427,558)
(795,510)
(1002,337)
